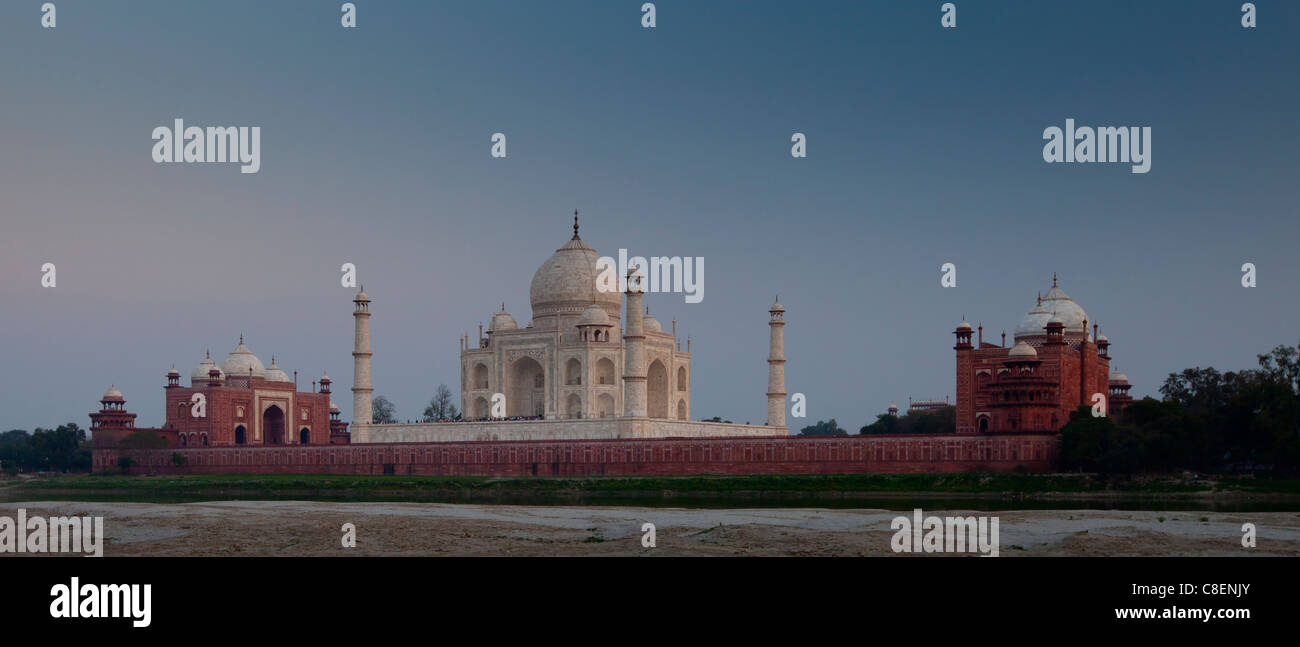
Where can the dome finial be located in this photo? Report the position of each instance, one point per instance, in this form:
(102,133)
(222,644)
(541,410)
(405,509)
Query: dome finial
(1040,298)
(575,224)
(241,337)
(1053,279)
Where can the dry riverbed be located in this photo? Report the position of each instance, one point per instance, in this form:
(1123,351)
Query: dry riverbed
(293,528)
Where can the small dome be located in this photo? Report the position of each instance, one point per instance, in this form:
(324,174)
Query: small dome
(325,378)
(1116,376)
(502,321)
(362,296)
(1022,351)
(964,325)
(1101,337)
(112,395)
(200,375)
(594,315)
(650,324)
(173,372)
(275,374)
(776,306)
(334,408)
(241,361)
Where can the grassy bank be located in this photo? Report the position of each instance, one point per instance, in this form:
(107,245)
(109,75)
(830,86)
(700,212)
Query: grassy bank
(831,485)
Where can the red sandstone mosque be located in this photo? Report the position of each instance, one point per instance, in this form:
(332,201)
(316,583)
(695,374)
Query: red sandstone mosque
(1054,366)
(239,403)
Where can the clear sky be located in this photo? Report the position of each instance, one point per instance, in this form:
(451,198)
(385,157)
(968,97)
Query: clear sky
(924,147)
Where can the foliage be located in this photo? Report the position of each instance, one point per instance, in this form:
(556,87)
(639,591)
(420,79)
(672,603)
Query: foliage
(46,450)
(823,428)
(935,421)
(143,439)
(442,406)
(1208,421)
(383,411)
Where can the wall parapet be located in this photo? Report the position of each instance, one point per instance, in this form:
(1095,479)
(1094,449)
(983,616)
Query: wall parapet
(674,456)
(570,429)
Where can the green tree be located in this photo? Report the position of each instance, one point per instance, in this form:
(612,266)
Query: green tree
(935,421)
(442,406)
(54,449)
(383,411)
(823,428)
(143,439)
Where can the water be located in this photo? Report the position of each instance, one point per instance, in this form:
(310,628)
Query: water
(665,499)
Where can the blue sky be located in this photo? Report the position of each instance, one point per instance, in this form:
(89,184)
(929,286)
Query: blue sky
(924,147)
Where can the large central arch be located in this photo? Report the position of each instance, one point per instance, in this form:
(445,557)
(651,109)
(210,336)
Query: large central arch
(273,426)
(527,388)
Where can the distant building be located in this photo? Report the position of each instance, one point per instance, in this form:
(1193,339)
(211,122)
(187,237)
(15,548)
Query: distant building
(570,361)
(926,405)
(240,402)
(1055,366)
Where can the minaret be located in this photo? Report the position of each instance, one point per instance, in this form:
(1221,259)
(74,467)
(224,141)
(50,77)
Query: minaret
(634,395)
(965,379)
(361,390)
(776,366)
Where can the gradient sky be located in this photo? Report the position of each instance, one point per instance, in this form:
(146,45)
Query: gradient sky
(924,147)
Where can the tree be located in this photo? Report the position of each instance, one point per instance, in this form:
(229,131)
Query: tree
(441,407)
(383,411)
(936,421)
(55,448)
(823,428)
(143,439)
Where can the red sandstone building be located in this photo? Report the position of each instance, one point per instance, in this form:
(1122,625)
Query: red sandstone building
(237,403)
(1055,366)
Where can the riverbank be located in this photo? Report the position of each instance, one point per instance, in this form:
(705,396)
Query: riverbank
(888,491)
(316,528)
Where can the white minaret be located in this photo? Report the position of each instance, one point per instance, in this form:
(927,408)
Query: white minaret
(361,389)
(776,367)
(634,396)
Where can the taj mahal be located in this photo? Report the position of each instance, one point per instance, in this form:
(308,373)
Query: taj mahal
(590,364)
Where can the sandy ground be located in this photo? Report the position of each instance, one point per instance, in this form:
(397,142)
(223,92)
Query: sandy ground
(290,528)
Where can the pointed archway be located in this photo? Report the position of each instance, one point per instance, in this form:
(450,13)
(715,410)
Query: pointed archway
(273,426)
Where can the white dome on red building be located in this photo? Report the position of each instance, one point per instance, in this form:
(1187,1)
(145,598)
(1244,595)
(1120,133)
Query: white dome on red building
(241,362)
(1056,305)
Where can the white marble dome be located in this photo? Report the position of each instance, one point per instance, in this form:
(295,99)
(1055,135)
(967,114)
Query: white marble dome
(276,374)
(650,324)
(502,321)
(566,282)
(594,315)
(1116,376)
(1065,310)
(112,395)
(241,360)
(1056,305)
(1035,321)
(200,375)
(1022,351)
